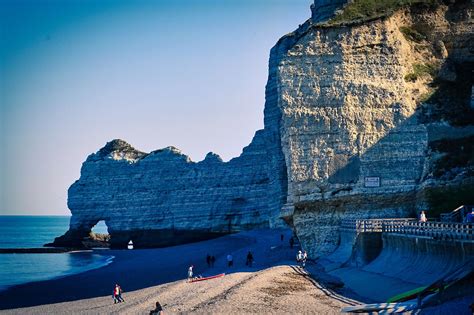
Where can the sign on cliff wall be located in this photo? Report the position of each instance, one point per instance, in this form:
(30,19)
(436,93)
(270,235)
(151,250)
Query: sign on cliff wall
(372,181)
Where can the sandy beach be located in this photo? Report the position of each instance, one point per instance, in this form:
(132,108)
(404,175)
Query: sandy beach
(272,285)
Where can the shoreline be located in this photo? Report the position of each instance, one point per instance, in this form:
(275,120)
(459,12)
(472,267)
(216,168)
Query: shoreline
(133,269)
(93,264)
(41,250)
(272,285)
(148,275)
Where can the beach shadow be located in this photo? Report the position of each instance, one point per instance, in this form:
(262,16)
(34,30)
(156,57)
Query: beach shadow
(139,269)
(337,294)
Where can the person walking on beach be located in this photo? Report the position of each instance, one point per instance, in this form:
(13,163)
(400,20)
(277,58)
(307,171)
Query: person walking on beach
(230,260)
(292,242)
(158,309)
(423,218)
(299,257)
(190,273)
(118,294)
(249,259)
(305,257)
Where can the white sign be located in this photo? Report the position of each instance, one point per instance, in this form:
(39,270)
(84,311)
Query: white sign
(372,181)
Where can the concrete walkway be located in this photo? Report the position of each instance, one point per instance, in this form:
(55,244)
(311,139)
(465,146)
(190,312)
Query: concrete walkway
(374,287)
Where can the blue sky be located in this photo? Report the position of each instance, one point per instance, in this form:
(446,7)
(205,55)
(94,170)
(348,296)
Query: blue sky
(76,74)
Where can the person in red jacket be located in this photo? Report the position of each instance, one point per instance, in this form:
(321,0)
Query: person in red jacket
(118,294)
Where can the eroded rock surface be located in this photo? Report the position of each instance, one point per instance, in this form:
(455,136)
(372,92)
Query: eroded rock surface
(163,198)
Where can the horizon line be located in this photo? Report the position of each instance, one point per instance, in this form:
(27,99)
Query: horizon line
(35,215)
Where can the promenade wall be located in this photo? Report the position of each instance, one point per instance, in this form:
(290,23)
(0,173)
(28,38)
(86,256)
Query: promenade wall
(403,248)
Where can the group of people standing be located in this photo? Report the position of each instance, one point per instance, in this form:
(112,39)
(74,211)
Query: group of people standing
(291,240)
(230,260)
(210,260)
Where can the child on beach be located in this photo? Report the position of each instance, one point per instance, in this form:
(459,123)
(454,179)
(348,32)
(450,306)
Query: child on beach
(118,294)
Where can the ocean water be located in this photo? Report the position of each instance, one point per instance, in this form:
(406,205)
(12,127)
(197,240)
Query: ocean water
(35,231)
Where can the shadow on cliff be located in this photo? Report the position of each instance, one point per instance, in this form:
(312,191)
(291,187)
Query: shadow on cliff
(398,160)
(385,176)
(139,269)
(384,181)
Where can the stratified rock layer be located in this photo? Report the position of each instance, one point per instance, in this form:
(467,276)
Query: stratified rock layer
(162,198)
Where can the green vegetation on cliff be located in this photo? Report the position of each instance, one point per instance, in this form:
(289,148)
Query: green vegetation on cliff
(420,70)
(361,10)
(411,34)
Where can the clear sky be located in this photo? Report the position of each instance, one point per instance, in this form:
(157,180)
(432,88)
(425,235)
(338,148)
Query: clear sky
(76,74)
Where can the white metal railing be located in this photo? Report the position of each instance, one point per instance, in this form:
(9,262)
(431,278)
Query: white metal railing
(457,215)
(408,226)
(370,225)
(438,230)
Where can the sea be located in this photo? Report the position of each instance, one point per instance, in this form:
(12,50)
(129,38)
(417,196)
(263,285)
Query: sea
(34,232)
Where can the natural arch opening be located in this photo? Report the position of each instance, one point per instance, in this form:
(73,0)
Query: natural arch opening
(99,236)
(100,228)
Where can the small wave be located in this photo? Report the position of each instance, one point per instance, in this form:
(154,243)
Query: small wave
(17,269)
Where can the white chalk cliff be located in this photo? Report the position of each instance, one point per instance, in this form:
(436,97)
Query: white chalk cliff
(355,117)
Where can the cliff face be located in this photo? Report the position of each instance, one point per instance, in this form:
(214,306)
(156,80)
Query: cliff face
(163,198)
(355,130)
(357,117)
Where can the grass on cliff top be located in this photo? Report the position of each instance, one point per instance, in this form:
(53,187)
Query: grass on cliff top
(361,10)
(420,69)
